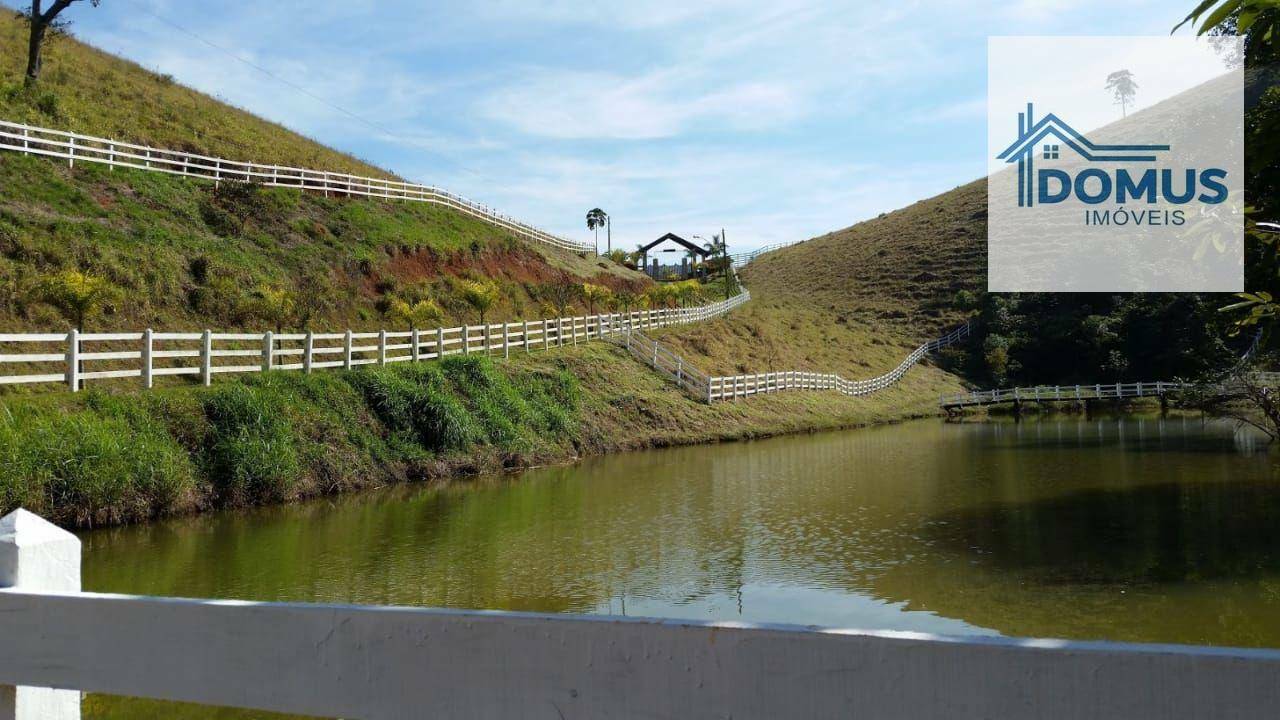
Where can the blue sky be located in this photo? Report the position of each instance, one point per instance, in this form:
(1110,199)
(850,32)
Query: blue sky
(775,120)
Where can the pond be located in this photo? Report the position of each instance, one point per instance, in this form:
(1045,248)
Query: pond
(1135,528)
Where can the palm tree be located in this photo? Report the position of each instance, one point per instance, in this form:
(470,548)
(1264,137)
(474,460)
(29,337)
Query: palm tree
(78,296)
(1124,87)
(596,219)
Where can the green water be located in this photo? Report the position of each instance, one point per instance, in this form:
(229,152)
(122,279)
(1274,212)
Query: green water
(1132,529)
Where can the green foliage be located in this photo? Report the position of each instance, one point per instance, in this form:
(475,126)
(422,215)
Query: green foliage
(76,295)
(252,455)
(594,295)
(103,466)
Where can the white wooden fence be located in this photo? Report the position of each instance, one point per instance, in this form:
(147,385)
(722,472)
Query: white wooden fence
(379,663)
(74,147)
(731,387)
(74,358)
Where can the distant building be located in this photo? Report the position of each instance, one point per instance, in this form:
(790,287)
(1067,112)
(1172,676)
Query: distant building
(690,255)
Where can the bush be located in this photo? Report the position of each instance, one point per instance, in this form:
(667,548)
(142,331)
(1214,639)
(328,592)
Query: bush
(252,454)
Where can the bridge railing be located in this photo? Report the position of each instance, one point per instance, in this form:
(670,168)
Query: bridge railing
(1097,391)
(73,147)
(378,663)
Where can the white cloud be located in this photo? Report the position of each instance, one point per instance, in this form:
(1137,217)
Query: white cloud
(574,104)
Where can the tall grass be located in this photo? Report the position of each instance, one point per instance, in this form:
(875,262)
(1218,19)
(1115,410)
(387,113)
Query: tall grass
(103,459)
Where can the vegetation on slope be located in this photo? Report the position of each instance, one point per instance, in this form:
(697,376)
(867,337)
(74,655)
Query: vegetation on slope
(85,90)
(181,253)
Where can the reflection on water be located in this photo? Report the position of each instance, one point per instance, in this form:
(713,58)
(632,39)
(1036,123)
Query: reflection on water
(1134,529)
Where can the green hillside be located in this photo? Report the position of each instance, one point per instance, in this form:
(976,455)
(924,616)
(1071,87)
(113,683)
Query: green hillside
(182,253)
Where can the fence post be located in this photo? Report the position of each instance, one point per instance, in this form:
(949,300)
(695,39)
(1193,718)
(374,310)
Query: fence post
(346,350)
(73,360)
(206,358)
(71,153)
(524,336)
(146,358)
(413,340)
(439,343)
(111,157)
(308,348)
(560,331)
(37,556)
(679,370)
(506,340)
(268,348)
(382,346)
(466,339)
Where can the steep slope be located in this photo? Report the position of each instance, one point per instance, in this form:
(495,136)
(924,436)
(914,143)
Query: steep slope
(857,300)
(183,253)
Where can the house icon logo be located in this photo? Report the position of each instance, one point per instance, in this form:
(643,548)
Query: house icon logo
(1047,138)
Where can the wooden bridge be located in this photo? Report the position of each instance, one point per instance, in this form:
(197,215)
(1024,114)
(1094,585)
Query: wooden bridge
(1079,393)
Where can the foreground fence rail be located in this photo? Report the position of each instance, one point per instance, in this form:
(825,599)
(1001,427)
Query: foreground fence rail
(73,147)
(380,663)
(73,358)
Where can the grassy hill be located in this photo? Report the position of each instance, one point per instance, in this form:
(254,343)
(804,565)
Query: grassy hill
(857,300)
(185,254)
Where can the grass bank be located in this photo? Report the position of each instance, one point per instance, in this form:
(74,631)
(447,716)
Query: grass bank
(103,458)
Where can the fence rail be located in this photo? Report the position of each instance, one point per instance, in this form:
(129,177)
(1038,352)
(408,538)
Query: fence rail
(732,387)
(379,663)
(74,147)
(1072,393)
(74,358)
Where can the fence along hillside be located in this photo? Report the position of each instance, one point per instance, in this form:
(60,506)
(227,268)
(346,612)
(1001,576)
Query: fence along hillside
(731,387)
(73,147)
(74,357)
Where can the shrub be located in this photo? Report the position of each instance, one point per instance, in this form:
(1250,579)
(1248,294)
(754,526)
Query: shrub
(252,453)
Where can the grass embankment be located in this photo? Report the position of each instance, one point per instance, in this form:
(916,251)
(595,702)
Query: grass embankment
(103,458)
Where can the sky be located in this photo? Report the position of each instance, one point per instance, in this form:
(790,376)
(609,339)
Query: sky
(776,121)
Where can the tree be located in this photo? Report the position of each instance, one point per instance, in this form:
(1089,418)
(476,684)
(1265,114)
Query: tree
(688,291)
(1124,88)
(562,292)
(420,314)
(41,22)
(481,295)
(1257,22)
(76,295)
(593,294)
(596,219)
(626,299)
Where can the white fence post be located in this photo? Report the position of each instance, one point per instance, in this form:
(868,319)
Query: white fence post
(346,350)
(466,339)
(414,341)
(524,336)
(38,556)
(147,346)
(73,360)
(308,351)
(506,339)
(268,348)
(382,346)
(206,358)
(439,343)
